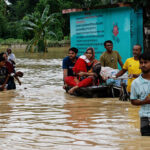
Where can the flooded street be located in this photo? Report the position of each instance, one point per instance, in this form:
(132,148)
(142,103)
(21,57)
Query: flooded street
(39,115)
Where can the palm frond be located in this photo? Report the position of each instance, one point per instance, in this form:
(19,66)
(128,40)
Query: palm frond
(28,28)
(39,25)
(45,13)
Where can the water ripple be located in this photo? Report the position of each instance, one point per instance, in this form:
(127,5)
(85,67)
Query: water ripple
(39,115)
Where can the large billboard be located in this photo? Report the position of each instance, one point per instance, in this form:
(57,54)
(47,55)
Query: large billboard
(91,28)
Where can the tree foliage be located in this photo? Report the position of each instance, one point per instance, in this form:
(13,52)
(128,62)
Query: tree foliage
(10,15)
(3,19)
(39,24)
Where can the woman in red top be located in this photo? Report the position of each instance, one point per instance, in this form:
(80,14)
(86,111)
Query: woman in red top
(83,79)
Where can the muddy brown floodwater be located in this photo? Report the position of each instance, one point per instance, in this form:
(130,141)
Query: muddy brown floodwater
(39,115)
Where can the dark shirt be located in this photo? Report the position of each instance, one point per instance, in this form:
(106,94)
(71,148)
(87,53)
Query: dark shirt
(89,67)
(3,75)
(68,64)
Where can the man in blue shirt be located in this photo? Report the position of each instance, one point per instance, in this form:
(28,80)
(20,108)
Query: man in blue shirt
(140,93)
(69,62)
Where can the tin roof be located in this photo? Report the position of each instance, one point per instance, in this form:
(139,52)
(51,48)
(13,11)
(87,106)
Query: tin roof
(67,11)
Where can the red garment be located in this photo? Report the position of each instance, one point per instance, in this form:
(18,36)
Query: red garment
(9,67)
(86,82)
(80,66)
(70,81)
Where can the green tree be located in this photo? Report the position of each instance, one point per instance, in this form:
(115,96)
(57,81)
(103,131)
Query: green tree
(11,14)
(3,19)
(19,8)
(145,4)
(55,7)
(39,25)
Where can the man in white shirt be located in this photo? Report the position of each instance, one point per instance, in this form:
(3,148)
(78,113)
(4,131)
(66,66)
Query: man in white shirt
(11,56)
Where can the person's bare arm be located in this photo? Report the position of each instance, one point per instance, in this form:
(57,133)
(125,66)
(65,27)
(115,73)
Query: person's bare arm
(138,102)
(120,73)
(121,63)
(86,74)
(18,80)
(65,72)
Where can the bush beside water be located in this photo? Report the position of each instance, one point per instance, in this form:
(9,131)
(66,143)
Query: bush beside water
(10,42)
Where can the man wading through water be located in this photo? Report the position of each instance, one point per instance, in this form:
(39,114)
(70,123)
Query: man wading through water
(140,93)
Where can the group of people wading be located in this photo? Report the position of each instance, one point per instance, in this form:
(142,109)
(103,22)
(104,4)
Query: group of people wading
(85,70)
(7,71)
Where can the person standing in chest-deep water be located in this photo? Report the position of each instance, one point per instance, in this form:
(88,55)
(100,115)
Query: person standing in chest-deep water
(68,63)
(140,93)
(13,74)
(110,58)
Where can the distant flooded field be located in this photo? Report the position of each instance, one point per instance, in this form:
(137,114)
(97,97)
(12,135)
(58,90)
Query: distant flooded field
(39,115)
